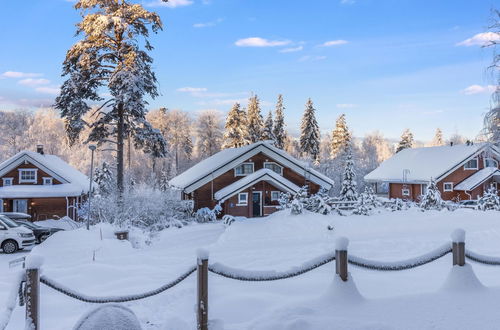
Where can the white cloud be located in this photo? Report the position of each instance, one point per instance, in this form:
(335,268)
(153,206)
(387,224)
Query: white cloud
(346,105)
(292,49)
(207,24)
(33,82)
(16,74)
(480,39)
(478,89)
(48,90)
(192,89)
(311,58)
(170,3)
(334,43)
(347,2)
(260,42)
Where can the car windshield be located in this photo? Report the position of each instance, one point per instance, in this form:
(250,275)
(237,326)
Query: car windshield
(9,223)
(28,224)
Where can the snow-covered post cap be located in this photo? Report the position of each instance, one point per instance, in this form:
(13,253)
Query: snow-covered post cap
(458,236)
(33,261)
(202,254)
(341,243)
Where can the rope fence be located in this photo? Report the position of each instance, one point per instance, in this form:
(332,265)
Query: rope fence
(28,286)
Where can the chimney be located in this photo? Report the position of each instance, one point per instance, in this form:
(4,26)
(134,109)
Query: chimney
(39,149)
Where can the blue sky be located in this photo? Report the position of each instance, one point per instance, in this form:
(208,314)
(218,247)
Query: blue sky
(387,64)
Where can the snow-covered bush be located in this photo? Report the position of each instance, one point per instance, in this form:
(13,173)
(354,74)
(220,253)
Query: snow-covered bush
(285,201)
(296,207)
(432,200)
(205,214)
(397,205)
(490,200)
(320,203)
(228,220)
(367,201)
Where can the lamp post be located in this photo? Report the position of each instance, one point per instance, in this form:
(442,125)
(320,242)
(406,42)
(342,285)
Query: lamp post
(92,148)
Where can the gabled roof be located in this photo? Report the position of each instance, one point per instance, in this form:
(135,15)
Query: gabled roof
(422,164)
(52,165)
(261,175)
(38,191)
(477,178)
(227,159)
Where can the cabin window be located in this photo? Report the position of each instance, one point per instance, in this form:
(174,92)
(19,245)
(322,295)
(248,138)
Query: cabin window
(424,189)
(274,167)
(7,181)
(47,181)
(243,199)
(27,175)
(405,192)
(490,162)
(448,186)
(243,169)
(275,195)
(471,164)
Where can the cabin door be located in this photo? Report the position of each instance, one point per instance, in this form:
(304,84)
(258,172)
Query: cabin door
(20,205)
(257,204)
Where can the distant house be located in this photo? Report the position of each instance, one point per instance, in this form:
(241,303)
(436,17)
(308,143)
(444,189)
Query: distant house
(462,172)
(247,181)
(41,185)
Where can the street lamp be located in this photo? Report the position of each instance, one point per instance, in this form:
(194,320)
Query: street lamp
(92,148)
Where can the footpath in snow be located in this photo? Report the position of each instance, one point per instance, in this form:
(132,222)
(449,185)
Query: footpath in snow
(433,296)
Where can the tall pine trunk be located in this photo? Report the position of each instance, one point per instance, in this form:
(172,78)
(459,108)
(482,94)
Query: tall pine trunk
(120,151)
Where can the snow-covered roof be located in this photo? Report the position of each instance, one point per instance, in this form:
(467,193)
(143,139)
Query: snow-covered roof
(38,191)
(477,178)
(223,161)
(72,180)
(422,164)
(261,175)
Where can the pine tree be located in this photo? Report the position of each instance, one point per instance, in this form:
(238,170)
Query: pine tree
(348,189)
(268,134)
(254,120)
(310,136)
(438,138)
(104,178)
(279,124)
(109,58)
(235,134)
(432,200)
(341,137)
(406,140)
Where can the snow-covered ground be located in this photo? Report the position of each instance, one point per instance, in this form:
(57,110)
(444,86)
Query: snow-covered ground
(421,298)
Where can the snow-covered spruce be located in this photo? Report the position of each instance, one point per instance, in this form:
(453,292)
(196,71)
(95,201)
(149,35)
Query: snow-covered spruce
(235,129)
(279,124)
(309,133)
(255,122)
(348,190)
(341,137)
(366,202)
(432,200)
(406,141)
(490,200)
(267,132)
(403,264)
(270,275)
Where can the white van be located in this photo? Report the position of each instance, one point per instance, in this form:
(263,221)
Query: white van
(14,237)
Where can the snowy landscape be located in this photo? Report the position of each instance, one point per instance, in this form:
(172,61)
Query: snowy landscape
(246,165)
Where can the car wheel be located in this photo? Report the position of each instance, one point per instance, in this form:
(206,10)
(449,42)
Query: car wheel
(9,246)
(42,238)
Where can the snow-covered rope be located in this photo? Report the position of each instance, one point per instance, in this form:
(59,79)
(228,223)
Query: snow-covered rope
(113,299)
(11,301)
(495,261)
(401,265)
(257,276)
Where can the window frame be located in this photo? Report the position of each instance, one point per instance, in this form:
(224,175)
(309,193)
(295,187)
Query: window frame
(7,179)
(49,179)
(274,163)
(34,180)
(405,194)
(242,164)
(240,203)
(448,183)
(490,159)
(274,192)
(471,168)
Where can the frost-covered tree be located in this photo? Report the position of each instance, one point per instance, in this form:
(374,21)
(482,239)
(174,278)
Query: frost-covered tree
(255,122)
(235,133)
(438,138)
(309,133)
(111,57)
(279,124)
(432,200)
(406,140)
(348,190)
(268,133)
(320,202)
(490,200)
(105,179)
(13,128)
(163,184)
(362,207)
(208,133)
(341,137)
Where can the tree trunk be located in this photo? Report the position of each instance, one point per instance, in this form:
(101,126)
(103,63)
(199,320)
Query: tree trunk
(120,151)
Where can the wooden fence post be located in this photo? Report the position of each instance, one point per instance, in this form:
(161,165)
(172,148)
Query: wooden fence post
(202,303)
(458,247)
(341,257)
(33,298)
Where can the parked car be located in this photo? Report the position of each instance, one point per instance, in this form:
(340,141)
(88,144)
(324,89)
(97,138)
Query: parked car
(17,216)
(469,204)
(14,237)
(41,233)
